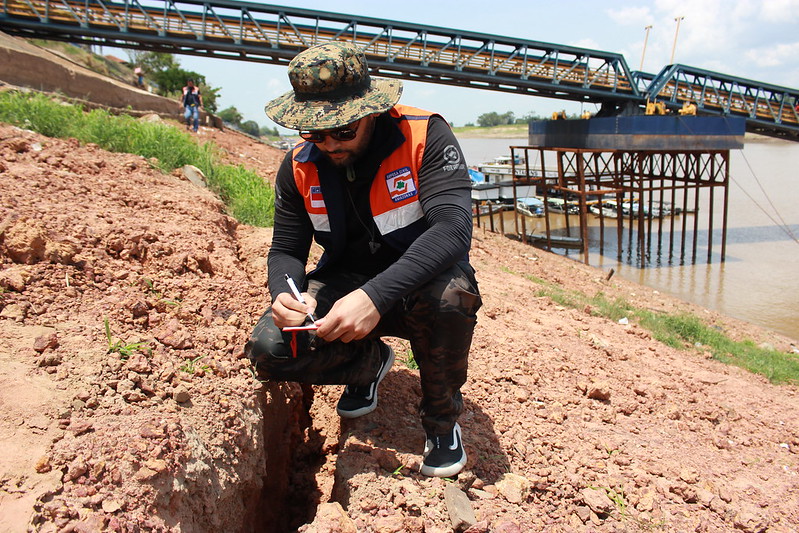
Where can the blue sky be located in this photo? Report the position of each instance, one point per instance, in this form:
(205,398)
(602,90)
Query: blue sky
(758,40)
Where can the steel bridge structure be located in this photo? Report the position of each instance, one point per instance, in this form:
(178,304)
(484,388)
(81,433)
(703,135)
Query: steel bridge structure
(275,34)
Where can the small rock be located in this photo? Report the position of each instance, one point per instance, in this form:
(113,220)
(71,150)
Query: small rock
(514,488)
(25,241)
(460,509)
(583,513)
(79,427)
(45,341)
(14,279)
(111,506)
(151,432)
(480,527)
(599,391)
(598,501)
(181,395)
(690,476)
(144,473)
(50,359)
(599,342)
(387,459)
(76,469)
(138,363)
(194,175)
(156,465)
(43,464)
(749,520)
(506,526)
(521,395)
(174,336)
(331,518)
(14,311)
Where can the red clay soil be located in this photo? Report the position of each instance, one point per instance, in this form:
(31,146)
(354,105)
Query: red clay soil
(572,422)
(155,422)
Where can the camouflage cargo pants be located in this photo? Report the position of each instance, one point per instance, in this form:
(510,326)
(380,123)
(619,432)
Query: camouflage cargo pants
(438,319)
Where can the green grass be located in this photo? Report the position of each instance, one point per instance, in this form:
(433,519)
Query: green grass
(248,197)
(508,130)
(192,365)
(683,331)
(124,349)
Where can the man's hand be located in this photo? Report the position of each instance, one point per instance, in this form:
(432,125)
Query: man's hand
(287,311)
(351,318)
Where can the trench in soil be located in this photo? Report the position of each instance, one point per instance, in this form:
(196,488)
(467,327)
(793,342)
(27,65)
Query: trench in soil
(293,451)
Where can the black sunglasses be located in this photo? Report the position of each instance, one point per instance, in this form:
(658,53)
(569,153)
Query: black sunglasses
(347,133)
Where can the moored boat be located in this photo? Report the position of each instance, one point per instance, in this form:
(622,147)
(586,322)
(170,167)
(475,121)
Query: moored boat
(530,206)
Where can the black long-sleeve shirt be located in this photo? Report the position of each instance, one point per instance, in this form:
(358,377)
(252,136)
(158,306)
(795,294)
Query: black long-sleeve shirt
(445,197)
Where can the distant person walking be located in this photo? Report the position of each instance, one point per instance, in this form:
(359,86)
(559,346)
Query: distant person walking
(191,104)
(139,77)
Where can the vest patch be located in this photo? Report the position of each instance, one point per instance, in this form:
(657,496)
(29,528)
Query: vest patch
(400,184)
(316,197)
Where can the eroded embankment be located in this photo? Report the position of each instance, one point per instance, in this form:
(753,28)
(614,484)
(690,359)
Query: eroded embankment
(124,301)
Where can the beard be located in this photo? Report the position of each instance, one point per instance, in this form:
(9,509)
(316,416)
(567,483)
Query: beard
(341,158)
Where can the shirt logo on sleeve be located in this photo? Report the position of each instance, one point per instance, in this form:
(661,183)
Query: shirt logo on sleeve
(400,184)
(316,197)
(452,159)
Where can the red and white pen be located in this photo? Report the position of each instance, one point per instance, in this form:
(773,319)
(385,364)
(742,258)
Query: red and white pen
(296,292)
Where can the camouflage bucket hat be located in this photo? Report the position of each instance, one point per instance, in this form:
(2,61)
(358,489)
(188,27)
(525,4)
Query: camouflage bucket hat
(332,88)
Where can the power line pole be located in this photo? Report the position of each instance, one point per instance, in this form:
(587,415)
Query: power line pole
(676,32)
(646,38)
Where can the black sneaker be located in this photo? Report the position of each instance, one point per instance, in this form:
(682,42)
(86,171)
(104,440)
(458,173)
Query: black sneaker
(361,400)
(444,455)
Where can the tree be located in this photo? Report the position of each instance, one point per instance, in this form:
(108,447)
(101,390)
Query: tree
(251,127)
(486,120)
(231,115)
(210,94)
(165,72)
(495,119)
(172,80)
(153,62)
(529,117)
(266,131)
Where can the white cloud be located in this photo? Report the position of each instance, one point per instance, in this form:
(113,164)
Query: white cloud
(780,11)
(585,43)
(774,56)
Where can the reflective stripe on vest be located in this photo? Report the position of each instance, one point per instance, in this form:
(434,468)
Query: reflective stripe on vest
(394,194)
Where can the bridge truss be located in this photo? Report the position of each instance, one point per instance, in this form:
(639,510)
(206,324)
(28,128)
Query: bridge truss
(275,34)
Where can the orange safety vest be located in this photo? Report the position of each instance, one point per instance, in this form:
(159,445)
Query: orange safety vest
(393,197)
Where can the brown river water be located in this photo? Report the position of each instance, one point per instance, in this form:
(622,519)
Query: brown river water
(758,282)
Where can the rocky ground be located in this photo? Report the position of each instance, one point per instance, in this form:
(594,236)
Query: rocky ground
(126,296)
(126,405)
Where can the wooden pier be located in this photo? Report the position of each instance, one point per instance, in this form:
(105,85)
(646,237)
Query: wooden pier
(654,186)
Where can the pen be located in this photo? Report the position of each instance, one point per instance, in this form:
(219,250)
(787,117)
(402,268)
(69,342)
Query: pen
(296,292)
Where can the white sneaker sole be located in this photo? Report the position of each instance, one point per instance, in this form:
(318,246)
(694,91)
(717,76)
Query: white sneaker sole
(444,471)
